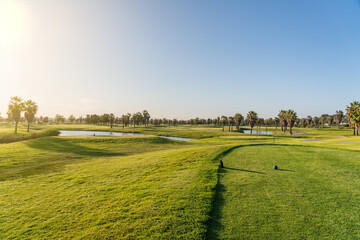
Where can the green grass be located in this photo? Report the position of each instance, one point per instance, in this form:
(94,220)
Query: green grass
(97,188)
(314,195)
(154,188)
(7,134)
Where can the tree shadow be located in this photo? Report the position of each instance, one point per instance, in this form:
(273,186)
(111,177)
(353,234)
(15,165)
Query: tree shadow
(244,170)
(65,145)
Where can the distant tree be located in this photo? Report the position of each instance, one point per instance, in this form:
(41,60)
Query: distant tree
(291,118)
(238,118)
(111,119)
(123,117)
(330,120)
(230,120)
(146,117)
(323,119)
(252,118)
(128,119)
(276,122)
(223,121)
(104,119)
(303,122)
(267,123)
(59,118)
(30,108)
(260,122)
(316,121)
(79,119)
(72,118)
(45,120)
(339,115)
(309,120)
(282,118)
(15,107)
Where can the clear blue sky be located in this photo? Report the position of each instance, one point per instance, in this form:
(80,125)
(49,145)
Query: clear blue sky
(180,59)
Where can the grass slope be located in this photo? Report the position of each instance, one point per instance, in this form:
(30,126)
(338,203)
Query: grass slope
(98,188)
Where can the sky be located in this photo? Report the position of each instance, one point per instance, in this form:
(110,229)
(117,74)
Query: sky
(180,59)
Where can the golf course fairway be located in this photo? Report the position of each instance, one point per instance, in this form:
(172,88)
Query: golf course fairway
(314,194)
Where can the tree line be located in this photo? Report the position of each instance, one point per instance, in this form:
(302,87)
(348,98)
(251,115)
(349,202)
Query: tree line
(286,119)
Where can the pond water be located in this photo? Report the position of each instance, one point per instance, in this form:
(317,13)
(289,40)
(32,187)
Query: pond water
(66,133)
(258,132)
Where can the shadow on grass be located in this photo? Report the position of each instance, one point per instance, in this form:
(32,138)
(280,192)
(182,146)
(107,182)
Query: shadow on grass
(285,170)
(244,170)
(215,226)
(65,145)
(58,152)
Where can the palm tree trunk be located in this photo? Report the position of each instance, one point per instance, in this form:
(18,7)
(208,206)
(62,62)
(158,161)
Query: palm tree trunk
(251,129)
(229,127)
(290,130)
(223,127)
(354,130)
(28,129)
(16,124)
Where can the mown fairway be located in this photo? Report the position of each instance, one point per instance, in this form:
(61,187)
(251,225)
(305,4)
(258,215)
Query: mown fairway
(314,195)
(156,188)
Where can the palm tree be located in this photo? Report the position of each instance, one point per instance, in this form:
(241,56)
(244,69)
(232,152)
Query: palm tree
(30,108)
(339,115)
(331,120)
(316,121)
(230,122)
(111,119)
(323,119)
(283,122)
(276,122)
(291,118)
(15,108)
(146,117)
(223,121)
(252,118)
(352,113)
(303,122)
(309,120)
(238,119)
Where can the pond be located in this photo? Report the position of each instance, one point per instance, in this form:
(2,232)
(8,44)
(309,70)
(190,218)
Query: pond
(258,132)
(68,133)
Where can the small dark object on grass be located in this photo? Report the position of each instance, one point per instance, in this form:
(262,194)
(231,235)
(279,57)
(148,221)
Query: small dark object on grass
(221,163)
(275,167)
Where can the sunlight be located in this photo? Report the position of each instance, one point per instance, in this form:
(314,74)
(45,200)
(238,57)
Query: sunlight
(12,24)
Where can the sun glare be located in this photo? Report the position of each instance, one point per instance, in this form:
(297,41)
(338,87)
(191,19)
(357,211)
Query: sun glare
(11,23)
